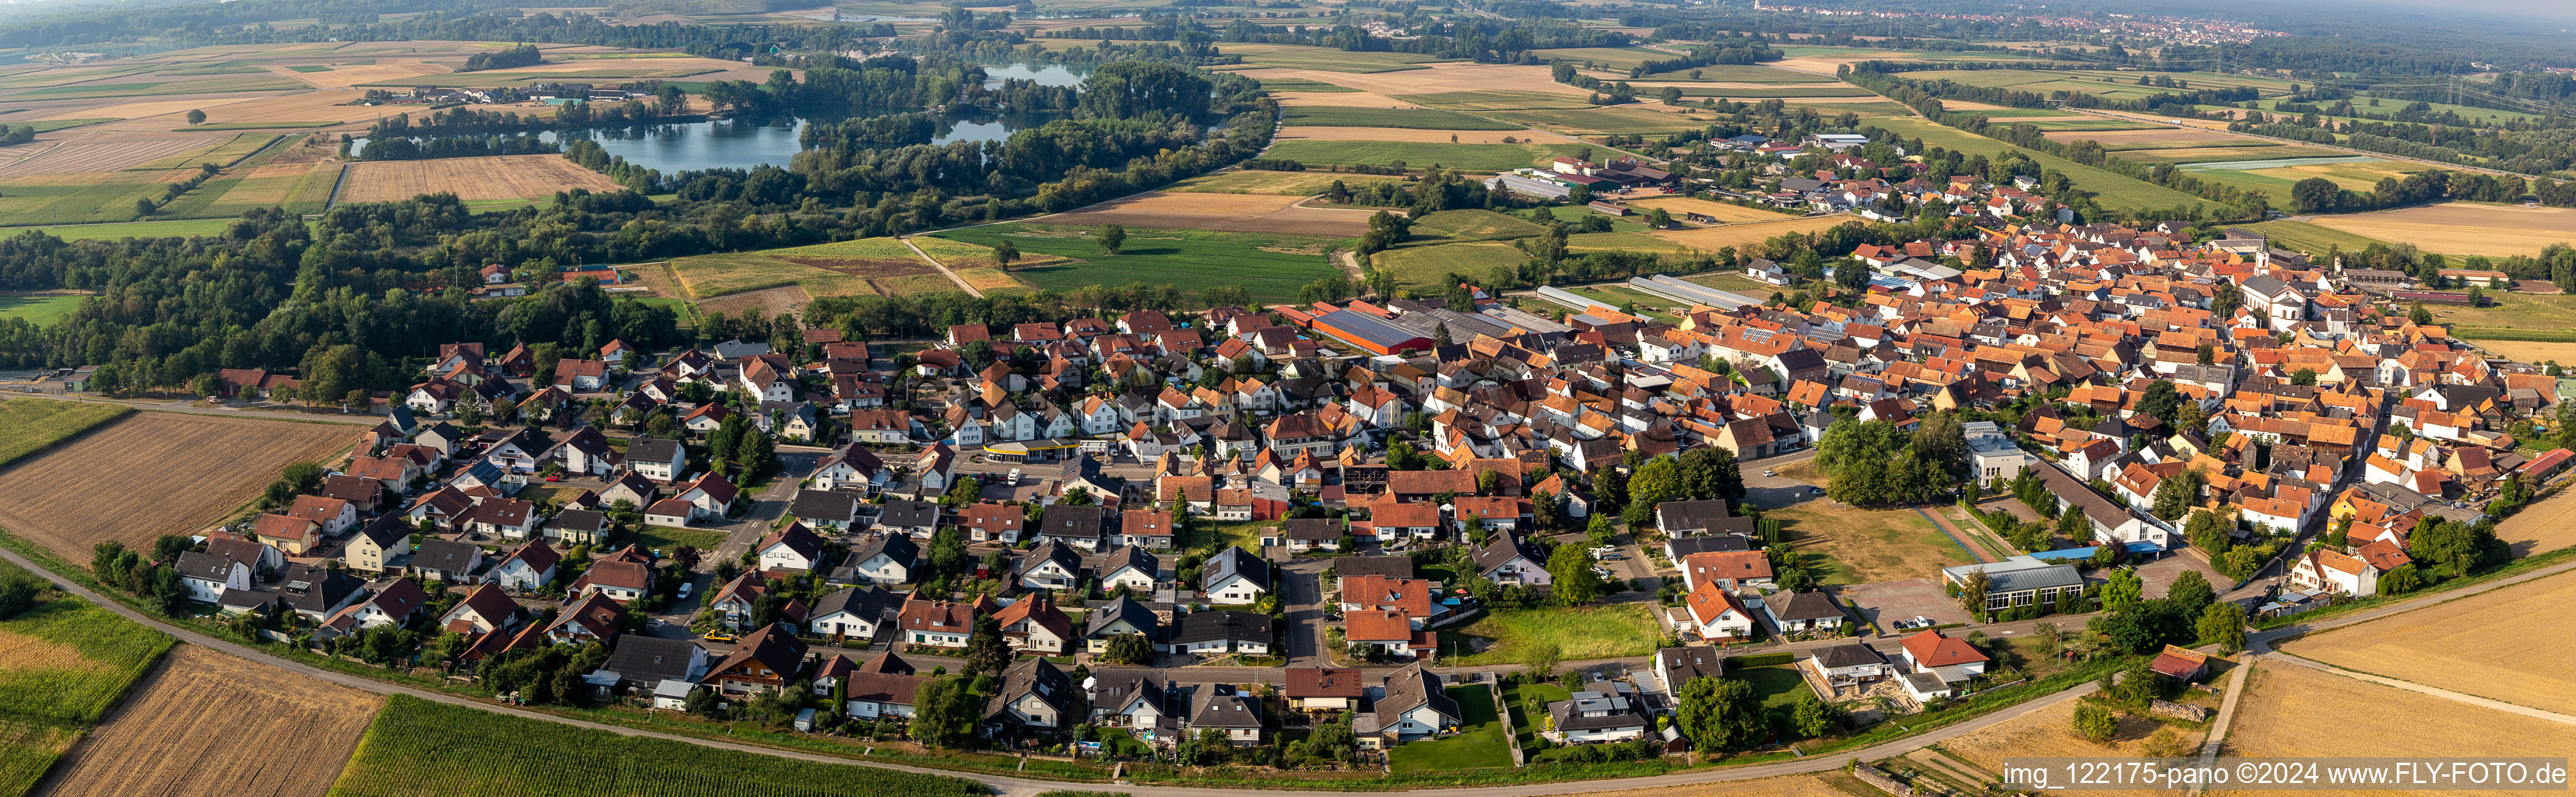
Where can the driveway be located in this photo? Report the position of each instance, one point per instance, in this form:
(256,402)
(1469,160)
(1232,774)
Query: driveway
(794,462)
(1775,492)
(1889,601)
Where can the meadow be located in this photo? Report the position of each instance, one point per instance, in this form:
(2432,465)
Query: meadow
(1604,632)
(1480,744)
(2112,189)
(1273,267)
(2310,238)
(1413,118)
(2274,178)
(1614,120)
(1420,154)
(1322,59)
(29,425)
(63,663)
(1251,181)
(38,310)
(1428,266)
(131,229)
(418,748)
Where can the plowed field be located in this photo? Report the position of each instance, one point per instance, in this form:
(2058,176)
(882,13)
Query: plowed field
(153,473)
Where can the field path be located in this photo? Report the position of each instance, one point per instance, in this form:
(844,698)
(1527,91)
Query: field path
(1013,786)
(2421,689)
(943,267)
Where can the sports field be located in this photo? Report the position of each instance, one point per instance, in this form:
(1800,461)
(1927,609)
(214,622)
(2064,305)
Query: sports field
(1273,267)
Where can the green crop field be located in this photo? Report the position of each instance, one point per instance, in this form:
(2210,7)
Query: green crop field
(308,68)
(1499,100)
(37,310)
(1613,120)
(1254,181)
(2111,188)
(2311,238)
(1619,58)
(110,198)
(2274,178)
(130,229)
(224,154)
(1273,267)
(78,660)
(417,747)
(1420,154)
(1741,73)
(1623,242)
(228,197)
(1427,266)
(2091,124)
(28,425)
(1410,118)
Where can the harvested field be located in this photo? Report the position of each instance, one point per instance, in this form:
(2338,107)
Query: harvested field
(2463,228)
(1620,120)
(495,177)
(2134,135)
(137,110)
(1400,134)
(2463,647)
(1413,118)
(1678,205)
(1714,238)
(2532,351)
(1415,155)
(346,75)
(1219,212)
(1249,181)
(221,155)
(2542,527)
(2044,734)
(210,724)
(2290,710)
(310,106)
(106,152)
(1498,100)
(154,473)
(1436,78)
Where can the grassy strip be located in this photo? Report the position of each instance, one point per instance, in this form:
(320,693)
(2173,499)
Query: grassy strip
(2505,333)
(1408,118)
(2508,570)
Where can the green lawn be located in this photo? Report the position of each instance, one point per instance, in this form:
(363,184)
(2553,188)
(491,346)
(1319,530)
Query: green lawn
(1420,154)
(1779,685)
(1428,266)
(2111,188)
(1529,703)
(668,539)
(1271,266)
(1604,632)
(1470,225)
(1411,118)
(1573,213)
(38,310)
(29,425)
(1480,744)
(1207,534)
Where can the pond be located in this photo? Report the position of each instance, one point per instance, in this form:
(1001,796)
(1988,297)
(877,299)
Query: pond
(746,143)
(1046,74)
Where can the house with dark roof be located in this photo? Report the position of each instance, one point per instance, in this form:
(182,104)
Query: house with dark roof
(1121,617)
(1084,527)
(644,661)
(1234,577)
(1324,688)
(1238,715)
(766,659)
(1591,716)
(1415,706)
(1674,667)
(1036,700)
(855,613)
(1216,633)
(1798,612)
(885,559)
(1509,559)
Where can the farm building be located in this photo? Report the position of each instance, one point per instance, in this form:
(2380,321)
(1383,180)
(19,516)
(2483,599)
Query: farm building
(1369,332)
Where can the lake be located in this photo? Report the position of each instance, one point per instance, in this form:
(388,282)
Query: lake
(746,144)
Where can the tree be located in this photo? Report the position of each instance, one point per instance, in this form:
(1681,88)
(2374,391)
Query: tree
(2191,592)
(985,650)
(2400,580)
(2176,495)
(2160,400)
(196,116)
(2419,315)
(1720,714)
(2094,723)
(1811,717)
(2222,624)
(2305,377)
(1712,473)
(18,593)
(1131,649)
(1655,482)
(1571,569)
(1112,236)
(1005,254)
(943,712)
(2315,195)
(2122,590)
(1972,592)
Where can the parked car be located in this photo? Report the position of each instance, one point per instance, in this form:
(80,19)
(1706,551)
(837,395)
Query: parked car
(1770,473)
(686,587)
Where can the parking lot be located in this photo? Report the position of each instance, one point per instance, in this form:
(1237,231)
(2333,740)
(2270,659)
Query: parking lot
(1886,602)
